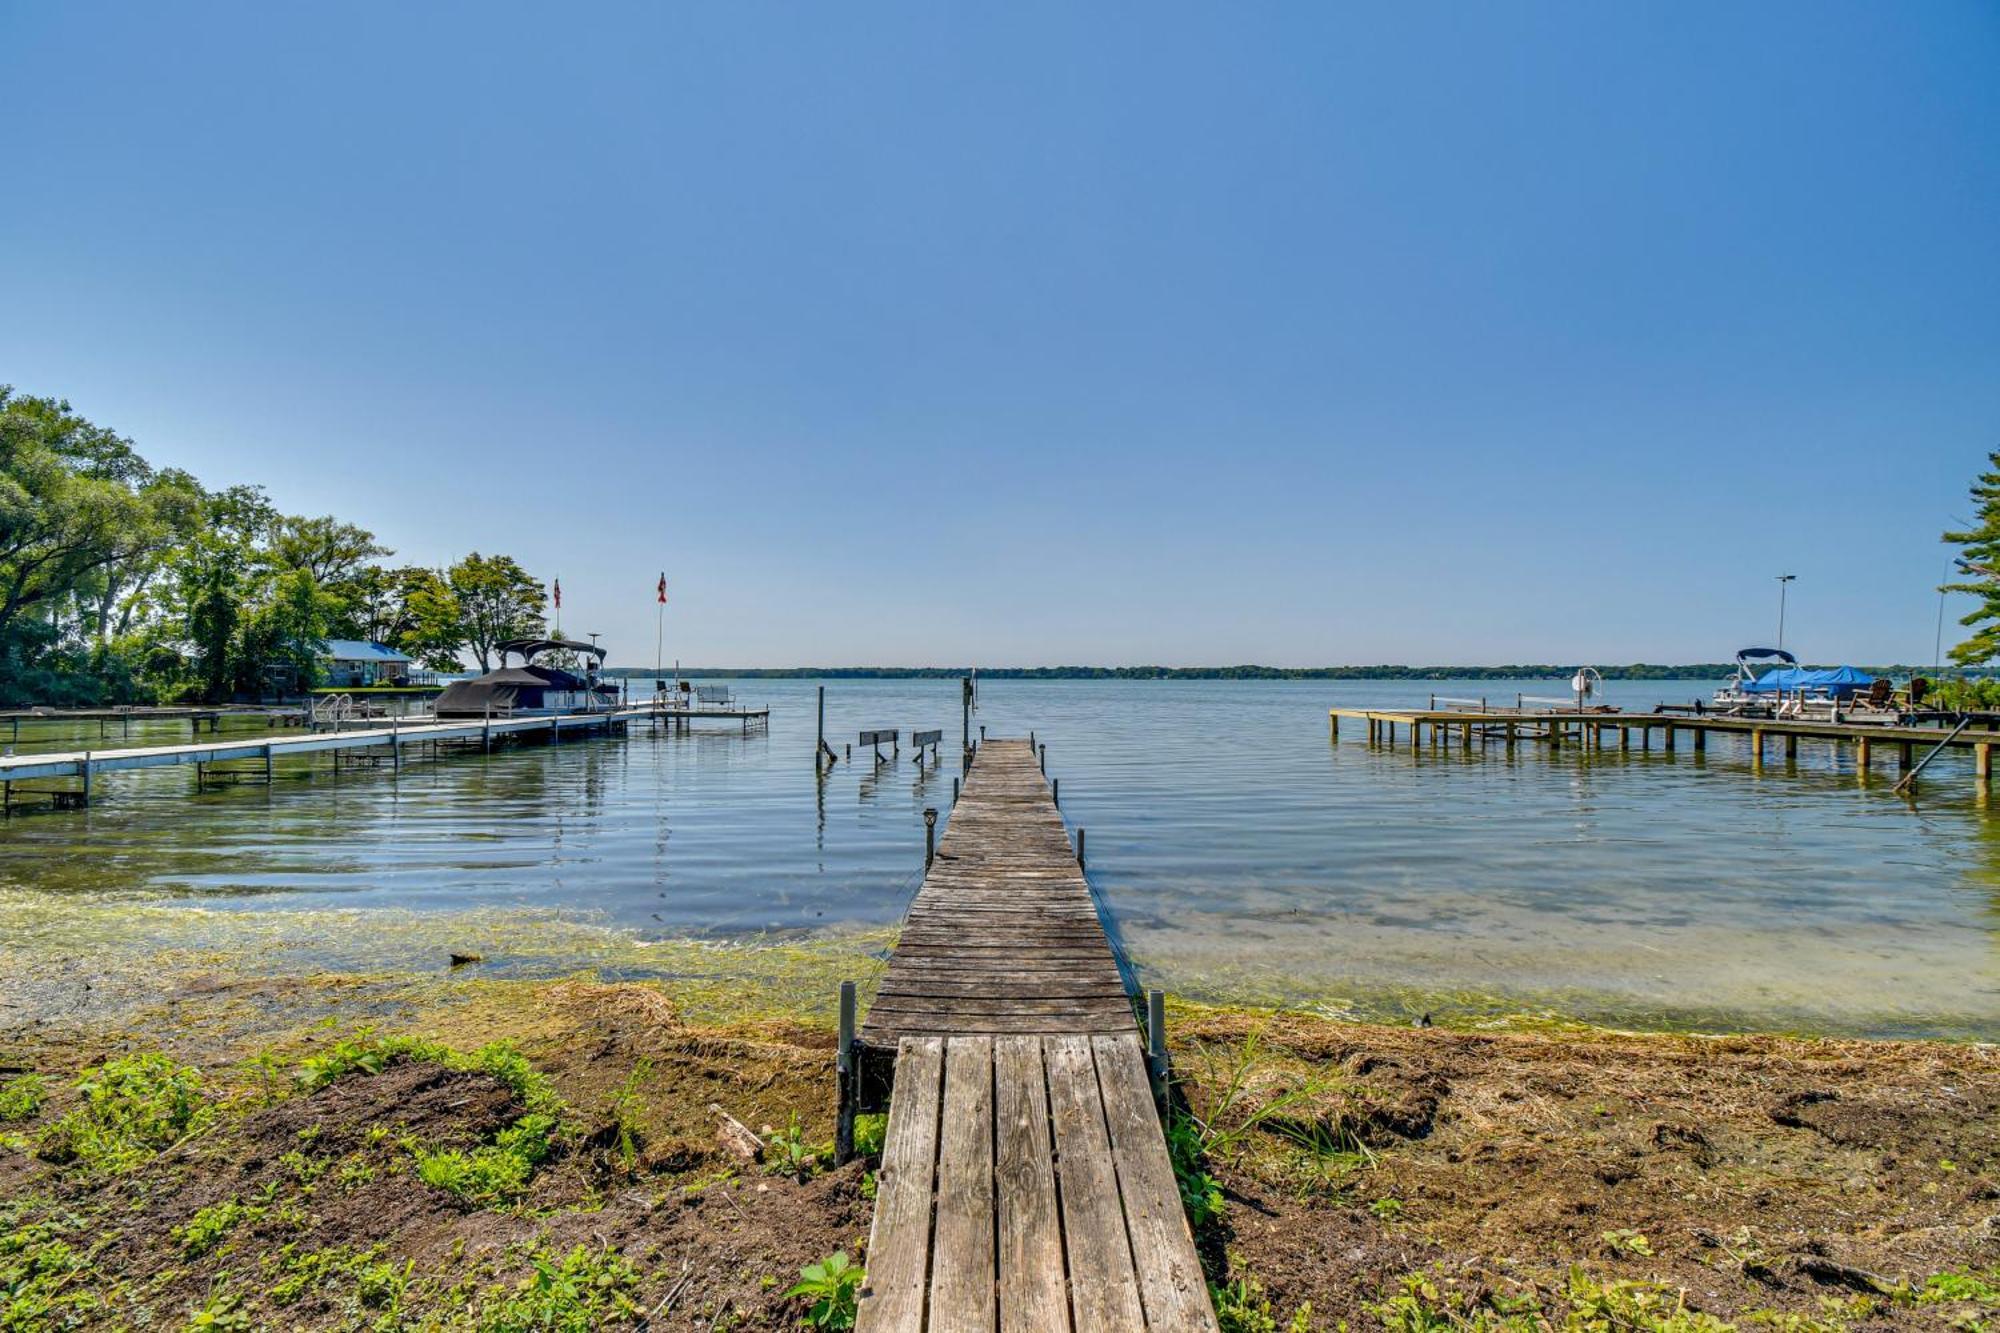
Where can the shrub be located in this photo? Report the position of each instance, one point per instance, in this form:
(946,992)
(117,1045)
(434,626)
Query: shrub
(133,1107)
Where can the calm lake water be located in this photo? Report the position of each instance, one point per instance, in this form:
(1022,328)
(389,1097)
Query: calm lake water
(1241,855)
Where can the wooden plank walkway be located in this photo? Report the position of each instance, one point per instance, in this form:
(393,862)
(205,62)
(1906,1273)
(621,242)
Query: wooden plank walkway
(1025,1183)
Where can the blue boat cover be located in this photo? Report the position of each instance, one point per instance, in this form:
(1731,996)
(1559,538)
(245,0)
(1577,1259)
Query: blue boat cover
(1837,681)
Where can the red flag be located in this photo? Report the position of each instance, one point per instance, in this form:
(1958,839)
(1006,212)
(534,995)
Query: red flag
(558,594)
(663,588)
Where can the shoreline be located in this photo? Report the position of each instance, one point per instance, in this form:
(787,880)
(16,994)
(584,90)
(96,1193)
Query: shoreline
(1371,1172)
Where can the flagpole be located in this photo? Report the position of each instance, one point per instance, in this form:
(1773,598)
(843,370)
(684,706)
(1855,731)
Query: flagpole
(660,632)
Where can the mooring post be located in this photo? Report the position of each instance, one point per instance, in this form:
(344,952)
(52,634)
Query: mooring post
(1045,760)
(954,791)
(819,749)
(844,1080)
(930,836)
(1861,755)
(86,778)
(1156,1043)
(1079,846)
(1982,763)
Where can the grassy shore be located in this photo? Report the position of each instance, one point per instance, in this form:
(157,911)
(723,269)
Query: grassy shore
(380,1150)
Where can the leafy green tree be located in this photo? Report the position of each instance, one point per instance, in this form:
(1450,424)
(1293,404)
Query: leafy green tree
(331,551)
(497,600)
(1979,564)
(77,505)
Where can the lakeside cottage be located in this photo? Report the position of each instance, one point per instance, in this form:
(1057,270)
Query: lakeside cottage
(355,663)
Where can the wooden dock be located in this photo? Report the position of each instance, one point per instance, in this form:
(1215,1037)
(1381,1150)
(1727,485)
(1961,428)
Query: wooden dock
(1025,1183)
(1598,729)
(386,740)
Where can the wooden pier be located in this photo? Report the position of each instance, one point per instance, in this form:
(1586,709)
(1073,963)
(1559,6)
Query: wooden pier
(1599,729)
(382,740)
(1025,1183)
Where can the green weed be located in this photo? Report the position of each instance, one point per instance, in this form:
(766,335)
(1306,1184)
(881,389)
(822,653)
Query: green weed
(42,1274)
(577,1292)
(1201,1193)
(133,1107)
(1624,1240)
(870,1132)
(833,1289)
(21,1098)
(206,1229)
(1242,1307)
(493,1173)
(625,1105)
(790,1154)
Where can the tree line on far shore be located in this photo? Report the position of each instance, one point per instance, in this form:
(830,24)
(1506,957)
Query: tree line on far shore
(121,582)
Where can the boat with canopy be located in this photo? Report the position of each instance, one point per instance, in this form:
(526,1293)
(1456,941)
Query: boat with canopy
(531,690)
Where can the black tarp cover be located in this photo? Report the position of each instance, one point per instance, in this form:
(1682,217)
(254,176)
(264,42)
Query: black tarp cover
(509,687)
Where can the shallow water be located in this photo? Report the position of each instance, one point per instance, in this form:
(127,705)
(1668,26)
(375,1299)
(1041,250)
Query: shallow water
(1242,855)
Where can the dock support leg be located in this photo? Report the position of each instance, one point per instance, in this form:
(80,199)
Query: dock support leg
(1416,734)
(1667,738)
(844,1079)
(1700,739)
(86,779)
(1511,735)
(1982,763)
(1333,728)
(1624,738)
(267,765)
(1465,736)
(1861,756)
(1756,749)
(1791,749)
(1156,1045)
(1555,736)
(1905,754)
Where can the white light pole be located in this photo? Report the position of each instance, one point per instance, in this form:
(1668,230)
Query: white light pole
(1783,579)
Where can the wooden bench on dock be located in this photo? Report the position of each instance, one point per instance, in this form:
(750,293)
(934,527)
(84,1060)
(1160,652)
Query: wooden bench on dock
(1025,1183)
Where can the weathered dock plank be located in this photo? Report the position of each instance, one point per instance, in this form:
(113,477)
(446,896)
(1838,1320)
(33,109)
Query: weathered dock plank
(1046,1201)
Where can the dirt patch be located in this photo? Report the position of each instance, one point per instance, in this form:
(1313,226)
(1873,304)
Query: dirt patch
(1824,1181)
(1745,1174)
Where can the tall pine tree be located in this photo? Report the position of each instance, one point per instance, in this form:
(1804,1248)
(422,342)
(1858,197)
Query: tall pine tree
(1979,565)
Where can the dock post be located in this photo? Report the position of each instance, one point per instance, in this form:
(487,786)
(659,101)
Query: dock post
(396,743)
(1861,755)
(1333,728)
(1905,754)
(86,779)
(1156,1043)
(1667,738)
(1416,734)
(1043,752)
(267,765)
(954,791)
(1792,747)
(1079,847)
(1700,739)
(930,836)
(1982,763)
(1555,736)
(965,714)
(1624,738)
(844,1077)
(1511,727)
(819,750)
(1055,791)
(1757,747)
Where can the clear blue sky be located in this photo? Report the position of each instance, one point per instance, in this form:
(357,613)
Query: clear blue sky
(1040,333)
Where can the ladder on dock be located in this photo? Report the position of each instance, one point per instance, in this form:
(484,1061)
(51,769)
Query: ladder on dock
(1025,1183)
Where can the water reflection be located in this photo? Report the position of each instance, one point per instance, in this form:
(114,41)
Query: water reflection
(1243,854)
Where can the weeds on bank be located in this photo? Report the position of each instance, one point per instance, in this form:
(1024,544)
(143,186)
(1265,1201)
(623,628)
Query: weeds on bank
(492,1173)
(133,1107)
(21,1098)
(575,1292)
(207,1228)
(832,1288)
(44,1272)
(1242,1307)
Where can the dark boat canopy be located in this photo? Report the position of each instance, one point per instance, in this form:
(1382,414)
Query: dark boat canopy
(528,648)
(1760,653)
